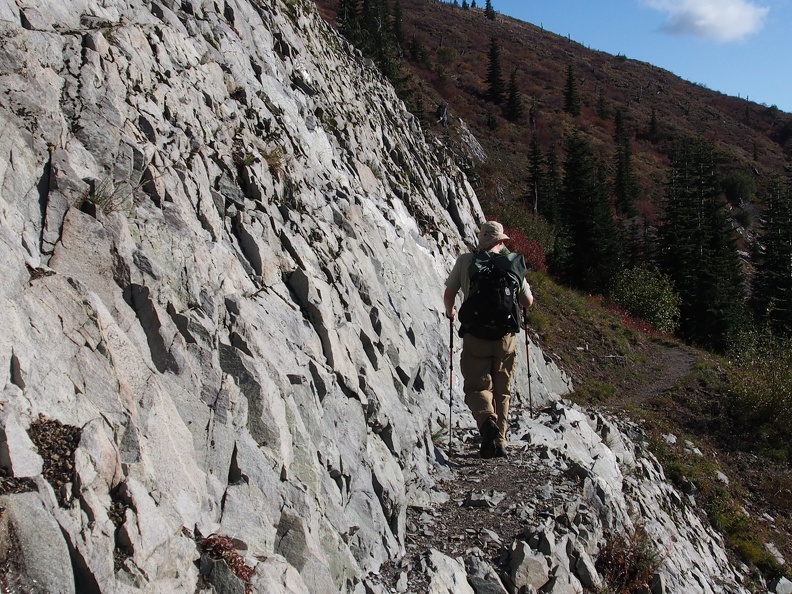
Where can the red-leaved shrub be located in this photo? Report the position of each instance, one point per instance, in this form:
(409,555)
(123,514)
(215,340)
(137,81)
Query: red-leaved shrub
(529,248)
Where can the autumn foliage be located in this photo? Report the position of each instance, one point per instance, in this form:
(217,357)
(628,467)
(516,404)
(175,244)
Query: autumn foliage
(529,248)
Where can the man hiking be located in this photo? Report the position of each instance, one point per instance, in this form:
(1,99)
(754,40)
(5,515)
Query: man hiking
(493,287)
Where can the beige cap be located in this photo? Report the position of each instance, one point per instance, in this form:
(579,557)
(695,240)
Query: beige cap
(491,234)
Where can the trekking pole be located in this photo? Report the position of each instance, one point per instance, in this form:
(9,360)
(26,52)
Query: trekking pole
(450,378)
(528,357)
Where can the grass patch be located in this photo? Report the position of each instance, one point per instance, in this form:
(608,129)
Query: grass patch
(594,391)
(107,196)
(760,395)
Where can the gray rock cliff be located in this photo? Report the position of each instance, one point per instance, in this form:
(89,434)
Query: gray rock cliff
(224,241)
(224,358)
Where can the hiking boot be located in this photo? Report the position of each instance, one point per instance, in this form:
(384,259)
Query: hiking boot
(489,433)
(500,451)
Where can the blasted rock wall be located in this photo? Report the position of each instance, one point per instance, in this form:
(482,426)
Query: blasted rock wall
(223,244)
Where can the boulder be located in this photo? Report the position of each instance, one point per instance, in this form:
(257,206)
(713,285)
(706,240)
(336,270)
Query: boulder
(528,568)
(34,546)
(18,455)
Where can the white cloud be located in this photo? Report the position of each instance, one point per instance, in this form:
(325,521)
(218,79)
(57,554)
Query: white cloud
(721,20)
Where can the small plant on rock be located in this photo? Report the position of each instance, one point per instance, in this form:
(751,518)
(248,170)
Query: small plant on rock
(627,563)
(219,547)
(275,161)
(107,196)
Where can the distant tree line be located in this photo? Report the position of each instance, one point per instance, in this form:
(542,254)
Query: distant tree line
(694,252)
(590,200)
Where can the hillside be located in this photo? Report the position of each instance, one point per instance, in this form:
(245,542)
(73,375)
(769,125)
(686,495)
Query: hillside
(748,137)
(673,388)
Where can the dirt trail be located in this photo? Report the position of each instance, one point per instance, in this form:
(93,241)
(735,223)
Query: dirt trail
(668,366)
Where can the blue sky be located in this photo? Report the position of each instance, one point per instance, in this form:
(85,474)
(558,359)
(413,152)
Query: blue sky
(738,47)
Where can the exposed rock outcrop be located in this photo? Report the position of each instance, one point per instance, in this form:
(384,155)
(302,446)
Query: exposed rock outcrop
(223,245)
(224,241)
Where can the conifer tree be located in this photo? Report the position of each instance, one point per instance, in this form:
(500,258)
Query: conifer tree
(382,40)
(571,98)
(533,113)
(698,249)
(654,127)
(586,220)
(605,235)
(371,30)
(473,4)
(536,179)
(773,284)
(492,121)
(551,189)
(514,105)
(418,52)
(602,110)
(398,24)
(722,281)
(618,123)
(489,12)
(368,16)
(348,20)
(625,184)
(495,84)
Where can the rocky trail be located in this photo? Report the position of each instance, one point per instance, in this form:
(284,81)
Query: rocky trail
(484,506)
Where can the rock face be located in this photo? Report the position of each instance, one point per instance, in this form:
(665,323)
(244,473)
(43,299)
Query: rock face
(224,241)
(224,353)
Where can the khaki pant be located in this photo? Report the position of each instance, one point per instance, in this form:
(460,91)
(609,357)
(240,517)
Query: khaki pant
(487,367)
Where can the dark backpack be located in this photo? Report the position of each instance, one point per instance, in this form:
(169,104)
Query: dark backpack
(492,308)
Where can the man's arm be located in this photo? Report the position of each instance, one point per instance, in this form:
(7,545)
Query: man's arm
(525,297)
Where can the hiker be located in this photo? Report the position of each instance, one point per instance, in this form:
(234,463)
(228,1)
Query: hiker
(489,341)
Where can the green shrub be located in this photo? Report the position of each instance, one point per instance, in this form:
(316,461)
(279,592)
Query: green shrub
(739,186)
(446,56)
(760,398)
(648,294)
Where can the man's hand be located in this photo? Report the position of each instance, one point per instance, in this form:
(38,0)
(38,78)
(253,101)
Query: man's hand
(449,298)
